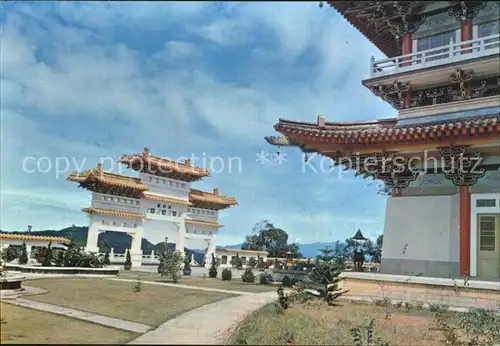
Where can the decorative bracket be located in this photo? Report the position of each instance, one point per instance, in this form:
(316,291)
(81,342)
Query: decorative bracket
(460,168)
(393,170)
(393,93)
(461,78)
(466,9)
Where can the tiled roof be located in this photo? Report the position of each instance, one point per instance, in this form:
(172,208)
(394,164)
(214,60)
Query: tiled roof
(383,40)
(241,252)
(27,237)
(386,130)
(154,197)
(112,212)
(102,177)
(146,160)
(203,197)
(203,223)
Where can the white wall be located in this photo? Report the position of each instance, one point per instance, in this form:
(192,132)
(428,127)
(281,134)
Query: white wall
(203,214)
(155,231)
(197,236)
(165,186)
(421,235)
(104,201)
(163,212)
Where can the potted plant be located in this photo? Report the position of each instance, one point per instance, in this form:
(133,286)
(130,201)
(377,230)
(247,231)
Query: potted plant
(128,261)
(187,264)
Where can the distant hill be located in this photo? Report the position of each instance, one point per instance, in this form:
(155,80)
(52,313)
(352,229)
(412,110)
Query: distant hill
(121,241)
(307,250)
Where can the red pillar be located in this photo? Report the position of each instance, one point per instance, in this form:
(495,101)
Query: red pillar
(464,230)
(466,33)
(406,48)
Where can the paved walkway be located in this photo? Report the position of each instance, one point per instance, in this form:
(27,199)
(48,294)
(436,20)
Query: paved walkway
(81,315)
(189,287)
(210,324)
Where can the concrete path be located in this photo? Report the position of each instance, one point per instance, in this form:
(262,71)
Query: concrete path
(189,287)
(81,315)
(211,324)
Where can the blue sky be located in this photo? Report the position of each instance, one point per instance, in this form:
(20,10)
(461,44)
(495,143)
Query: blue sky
(81,81)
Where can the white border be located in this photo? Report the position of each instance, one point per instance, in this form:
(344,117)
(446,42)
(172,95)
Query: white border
(473,224)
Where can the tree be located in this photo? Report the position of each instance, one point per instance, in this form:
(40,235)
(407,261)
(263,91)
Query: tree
(47,258)
(237,262)
(23,259)
(187,261)
(326,273)
(252,262)
(213,268)
(377,253)
(59,261)
(106,260)
(171,264)
(266,237)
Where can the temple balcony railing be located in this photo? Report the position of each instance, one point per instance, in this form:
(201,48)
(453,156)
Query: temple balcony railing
(452,53)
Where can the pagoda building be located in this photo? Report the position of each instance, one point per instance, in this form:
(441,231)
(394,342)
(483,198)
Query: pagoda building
(159,205)
(440,156)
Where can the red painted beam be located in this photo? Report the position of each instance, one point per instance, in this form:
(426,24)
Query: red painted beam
(464,230)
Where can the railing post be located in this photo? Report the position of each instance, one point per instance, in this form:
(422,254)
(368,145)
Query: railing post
(452,50)
(482,49)
(111,255)
(372,66)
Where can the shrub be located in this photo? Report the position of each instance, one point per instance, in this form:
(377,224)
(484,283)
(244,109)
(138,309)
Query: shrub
(128,259)
(237,262)
(47,258)
(59,260)
(213,268)
(283,299)
(23,259)
(187,261)
(248,276)
(11,253)
(171,264)
(265,279)
(227,274)
(252,263)
(106,261)
(286,281)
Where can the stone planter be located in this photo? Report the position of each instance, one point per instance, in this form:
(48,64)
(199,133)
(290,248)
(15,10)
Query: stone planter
(11,282)
(127,266)
(186,272)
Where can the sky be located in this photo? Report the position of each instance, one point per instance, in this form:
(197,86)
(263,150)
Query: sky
(83,82)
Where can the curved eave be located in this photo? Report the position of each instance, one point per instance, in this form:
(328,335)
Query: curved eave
(384,132)
(90,179)
(164,166)
(170,200)
(112,212)
(203,223)
(26,237)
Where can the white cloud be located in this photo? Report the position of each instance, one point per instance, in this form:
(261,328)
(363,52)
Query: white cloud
(108,92)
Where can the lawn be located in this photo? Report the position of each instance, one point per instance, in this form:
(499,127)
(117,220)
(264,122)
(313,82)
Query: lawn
(26,326)
(236,284)
(153,305)
(315,323)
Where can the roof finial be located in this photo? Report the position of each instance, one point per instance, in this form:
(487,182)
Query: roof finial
(321,120)
(187,162)
(98,168)
(146,151)
(216,191)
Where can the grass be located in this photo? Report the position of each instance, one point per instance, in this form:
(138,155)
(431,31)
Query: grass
(315,323)
(236,284)
(26,326)
(153,305)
